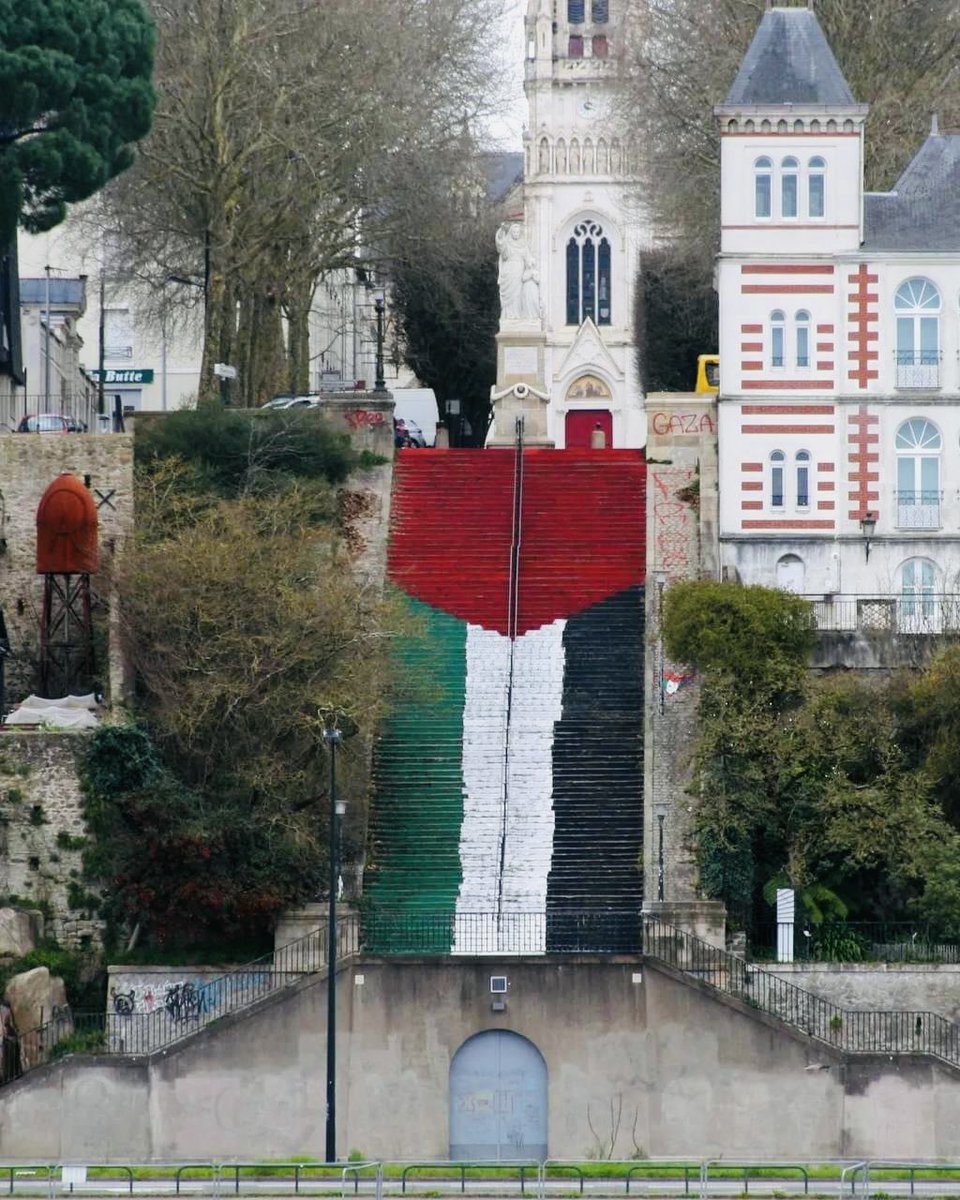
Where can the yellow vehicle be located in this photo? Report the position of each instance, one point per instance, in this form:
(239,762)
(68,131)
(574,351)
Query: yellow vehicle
(708,373)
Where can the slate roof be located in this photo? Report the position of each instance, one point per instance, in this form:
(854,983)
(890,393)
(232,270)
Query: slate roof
(501,170)
(789,62)
(923,210)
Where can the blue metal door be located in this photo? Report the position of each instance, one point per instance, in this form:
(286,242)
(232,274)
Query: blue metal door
(498,1098)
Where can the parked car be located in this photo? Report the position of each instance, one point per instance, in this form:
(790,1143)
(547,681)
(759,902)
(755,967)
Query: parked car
(50,423)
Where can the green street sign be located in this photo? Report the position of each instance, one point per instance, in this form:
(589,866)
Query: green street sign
(127,375)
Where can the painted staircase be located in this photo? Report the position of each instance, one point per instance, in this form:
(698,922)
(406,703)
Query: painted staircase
(507,811)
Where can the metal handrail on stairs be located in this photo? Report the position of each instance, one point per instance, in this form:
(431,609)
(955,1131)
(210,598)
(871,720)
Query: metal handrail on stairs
(852,1031)
(178,1010)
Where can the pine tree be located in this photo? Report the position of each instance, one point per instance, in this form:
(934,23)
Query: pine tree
(75,95)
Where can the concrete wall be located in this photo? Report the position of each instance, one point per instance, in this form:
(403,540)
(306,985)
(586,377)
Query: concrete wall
(923,987)
(691,1075)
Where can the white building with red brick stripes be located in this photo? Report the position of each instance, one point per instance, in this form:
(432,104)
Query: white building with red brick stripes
(839,407)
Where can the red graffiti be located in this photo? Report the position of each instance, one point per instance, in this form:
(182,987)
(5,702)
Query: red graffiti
(664,422)
(363,416)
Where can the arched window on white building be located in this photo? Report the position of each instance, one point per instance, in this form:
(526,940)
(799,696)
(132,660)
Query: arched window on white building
(802,337)
(917,305)
(817,187)
(802,464)
(777,467)
(763,187)
(789,187)
(918,597)
(918,447)
(777,337)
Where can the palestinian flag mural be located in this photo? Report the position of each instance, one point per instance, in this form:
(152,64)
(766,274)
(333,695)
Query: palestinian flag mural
(508,810)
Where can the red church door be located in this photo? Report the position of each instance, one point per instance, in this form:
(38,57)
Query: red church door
(583,423)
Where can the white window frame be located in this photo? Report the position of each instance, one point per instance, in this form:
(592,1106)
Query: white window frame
(778,474)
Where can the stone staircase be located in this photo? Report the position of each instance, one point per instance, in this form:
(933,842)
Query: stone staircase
(508,780)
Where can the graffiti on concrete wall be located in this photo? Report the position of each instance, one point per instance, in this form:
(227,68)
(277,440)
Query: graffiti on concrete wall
(190,999)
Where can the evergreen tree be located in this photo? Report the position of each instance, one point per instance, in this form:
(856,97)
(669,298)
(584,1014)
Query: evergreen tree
(75,94)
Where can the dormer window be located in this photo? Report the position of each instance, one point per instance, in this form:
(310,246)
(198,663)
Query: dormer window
(789,187)
(763,187)
(816,187)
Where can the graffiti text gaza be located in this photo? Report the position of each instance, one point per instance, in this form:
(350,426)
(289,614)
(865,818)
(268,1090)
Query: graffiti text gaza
(695,422)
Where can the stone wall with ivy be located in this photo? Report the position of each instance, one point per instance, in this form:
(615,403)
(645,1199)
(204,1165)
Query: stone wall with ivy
(42,833)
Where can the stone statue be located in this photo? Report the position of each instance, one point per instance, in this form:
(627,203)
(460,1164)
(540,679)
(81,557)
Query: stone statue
(519,280)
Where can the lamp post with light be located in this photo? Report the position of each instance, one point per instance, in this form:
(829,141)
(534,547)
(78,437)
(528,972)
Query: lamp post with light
(380,305)
(333,735)
(660,812)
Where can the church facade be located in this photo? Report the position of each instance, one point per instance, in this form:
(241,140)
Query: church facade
(569,259)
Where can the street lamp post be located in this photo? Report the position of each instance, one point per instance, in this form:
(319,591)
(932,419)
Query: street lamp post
(333,736)
(379,304)
(660,811)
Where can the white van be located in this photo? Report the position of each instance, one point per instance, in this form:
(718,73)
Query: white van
(419,406)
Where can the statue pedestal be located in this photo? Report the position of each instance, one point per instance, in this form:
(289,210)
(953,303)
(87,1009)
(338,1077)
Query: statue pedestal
(520,389)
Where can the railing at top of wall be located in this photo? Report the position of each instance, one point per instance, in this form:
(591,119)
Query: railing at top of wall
(918,612)
(852,1031)
(181,1009)
(81,406)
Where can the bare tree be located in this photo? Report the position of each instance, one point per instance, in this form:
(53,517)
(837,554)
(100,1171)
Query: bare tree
(283,127)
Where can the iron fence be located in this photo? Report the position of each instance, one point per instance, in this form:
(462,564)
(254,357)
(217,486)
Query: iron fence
(852,1031)
(918,612)
(79,408)
(183,1009)
(857,941)
(555,931)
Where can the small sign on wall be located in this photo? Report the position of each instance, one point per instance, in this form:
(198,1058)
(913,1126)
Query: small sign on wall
(520,361)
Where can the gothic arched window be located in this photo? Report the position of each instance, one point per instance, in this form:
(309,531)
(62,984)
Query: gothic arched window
(575,11)
(588,275)
(600,12)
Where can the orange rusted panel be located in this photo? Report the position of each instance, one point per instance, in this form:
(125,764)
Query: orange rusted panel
(67,529)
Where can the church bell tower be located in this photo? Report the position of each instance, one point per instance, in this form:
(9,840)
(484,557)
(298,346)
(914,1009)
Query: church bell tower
(569,258)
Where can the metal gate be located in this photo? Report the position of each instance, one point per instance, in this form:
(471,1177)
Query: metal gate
(498,1099)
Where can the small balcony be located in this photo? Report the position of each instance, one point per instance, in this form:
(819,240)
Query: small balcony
(919,510)
(918,370)
(910,613)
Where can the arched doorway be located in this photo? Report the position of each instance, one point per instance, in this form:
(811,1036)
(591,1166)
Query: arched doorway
(498,1098)
(790,574)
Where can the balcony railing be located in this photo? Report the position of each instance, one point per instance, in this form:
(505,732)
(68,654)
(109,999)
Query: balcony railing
(918,612)
(918,510)
(918,369)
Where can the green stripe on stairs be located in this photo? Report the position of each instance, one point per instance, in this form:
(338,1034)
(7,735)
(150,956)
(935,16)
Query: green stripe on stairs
(413,867)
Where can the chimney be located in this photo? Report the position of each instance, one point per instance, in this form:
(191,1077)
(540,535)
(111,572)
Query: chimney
(934,125)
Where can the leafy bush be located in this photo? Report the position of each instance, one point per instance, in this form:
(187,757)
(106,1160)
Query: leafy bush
(755,635)
(236,452)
